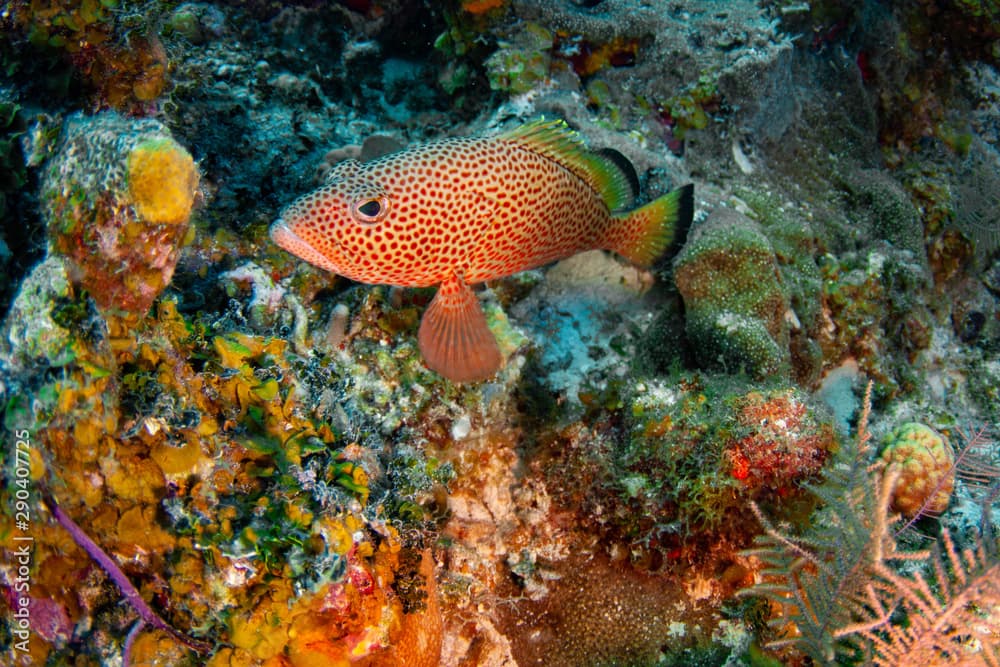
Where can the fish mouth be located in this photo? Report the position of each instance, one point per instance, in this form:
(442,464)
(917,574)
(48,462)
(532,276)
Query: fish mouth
(282,234)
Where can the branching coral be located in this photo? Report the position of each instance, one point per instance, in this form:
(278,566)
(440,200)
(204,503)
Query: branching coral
(953,618)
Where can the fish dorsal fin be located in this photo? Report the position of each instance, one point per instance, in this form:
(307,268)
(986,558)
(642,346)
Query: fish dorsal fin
(626,171)
(555,140)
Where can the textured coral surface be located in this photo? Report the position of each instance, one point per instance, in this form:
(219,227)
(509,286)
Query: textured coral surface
(925,465)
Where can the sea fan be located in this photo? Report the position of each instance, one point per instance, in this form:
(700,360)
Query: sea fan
(811,577)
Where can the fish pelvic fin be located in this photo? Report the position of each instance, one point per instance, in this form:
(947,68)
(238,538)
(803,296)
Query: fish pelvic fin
(655,230)
(454,338)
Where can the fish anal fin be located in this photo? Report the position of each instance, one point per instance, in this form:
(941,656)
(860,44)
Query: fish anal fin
(454,338)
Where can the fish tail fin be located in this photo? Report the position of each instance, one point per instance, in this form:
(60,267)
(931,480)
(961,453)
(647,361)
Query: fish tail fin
(648,233)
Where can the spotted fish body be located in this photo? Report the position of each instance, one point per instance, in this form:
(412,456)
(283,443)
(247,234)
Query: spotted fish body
(462,211)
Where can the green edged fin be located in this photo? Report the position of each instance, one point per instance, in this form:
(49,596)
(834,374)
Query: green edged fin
(555,140)
(652,231)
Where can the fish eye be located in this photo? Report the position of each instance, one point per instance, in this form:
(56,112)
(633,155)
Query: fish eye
(370,210)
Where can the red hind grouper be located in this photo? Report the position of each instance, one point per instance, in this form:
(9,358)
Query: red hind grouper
(461,211)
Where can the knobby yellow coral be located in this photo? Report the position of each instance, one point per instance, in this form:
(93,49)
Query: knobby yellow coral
(117,199)
(926,467)
(162,180)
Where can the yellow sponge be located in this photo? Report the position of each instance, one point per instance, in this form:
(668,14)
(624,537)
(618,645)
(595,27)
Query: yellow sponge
(162,181)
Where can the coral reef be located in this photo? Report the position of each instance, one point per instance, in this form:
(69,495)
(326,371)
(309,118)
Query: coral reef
(842,593)
(117,198)
(221,455)
(636,621)
(112,46)
(17,250)
(523,63)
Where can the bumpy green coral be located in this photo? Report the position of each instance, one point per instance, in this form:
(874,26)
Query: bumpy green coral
(885,208)
(734,297)
(795,247)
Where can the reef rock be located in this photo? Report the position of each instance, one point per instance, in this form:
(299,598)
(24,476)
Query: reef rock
(117,197)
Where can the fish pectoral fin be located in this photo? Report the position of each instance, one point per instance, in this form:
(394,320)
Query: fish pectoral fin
(454,337)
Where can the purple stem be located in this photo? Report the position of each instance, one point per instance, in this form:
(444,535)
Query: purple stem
(131,593)
(133,634)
